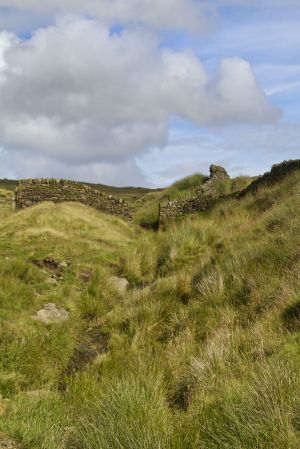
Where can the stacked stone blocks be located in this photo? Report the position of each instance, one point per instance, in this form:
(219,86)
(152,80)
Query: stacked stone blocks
(34,191)
(208,194)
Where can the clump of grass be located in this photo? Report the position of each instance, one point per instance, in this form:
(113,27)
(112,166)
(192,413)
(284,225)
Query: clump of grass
(186,186)
(139,261)
(130,413)
(38,420)
(262,412)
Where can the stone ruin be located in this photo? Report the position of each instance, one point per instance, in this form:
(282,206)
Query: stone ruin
(209,193)
(206,195)
(34,191)
(277,173)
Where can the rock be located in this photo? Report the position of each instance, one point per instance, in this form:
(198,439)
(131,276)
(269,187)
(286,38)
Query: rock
(50,313)
(53,267)
(119,284)
(52,280)
(85,276)
(218,172)
(63,264)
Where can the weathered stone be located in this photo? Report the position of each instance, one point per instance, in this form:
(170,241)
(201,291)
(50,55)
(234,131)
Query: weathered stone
(208,193)
(278,172)
(52,266)
(218,172)
(33,191)
(50,313)
(63,264)
(119,284)
(86,275)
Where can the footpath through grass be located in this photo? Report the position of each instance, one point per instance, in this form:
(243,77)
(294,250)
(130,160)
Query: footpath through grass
(202,352)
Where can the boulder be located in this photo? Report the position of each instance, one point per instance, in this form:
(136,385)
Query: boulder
(50,313)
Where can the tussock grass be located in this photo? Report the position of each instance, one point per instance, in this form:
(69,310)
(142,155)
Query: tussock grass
(202,350)
(128,412)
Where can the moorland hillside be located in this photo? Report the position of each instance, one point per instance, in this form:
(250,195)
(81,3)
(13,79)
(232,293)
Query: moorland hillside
(113,337)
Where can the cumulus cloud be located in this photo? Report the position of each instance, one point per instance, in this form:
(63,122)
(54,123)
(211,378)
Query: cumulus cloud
(183,14)
(78,95)
(23,164)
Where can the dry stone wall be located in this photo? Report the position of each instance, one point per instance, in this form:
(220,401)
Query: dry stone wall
(34,191)
(208,194)
(278,172)
(169,210)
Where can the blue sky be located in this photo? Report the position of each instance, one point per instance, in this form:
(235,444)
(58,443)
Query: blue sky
(164,95)
(270,40)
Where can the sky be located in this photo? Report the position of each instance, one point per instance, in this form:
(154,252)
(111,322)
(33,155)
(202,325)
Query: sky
(144,92)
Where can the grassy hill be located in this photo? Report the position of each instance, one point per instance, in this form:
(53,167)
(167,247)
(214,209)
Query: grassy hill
(202,351)
(147,207)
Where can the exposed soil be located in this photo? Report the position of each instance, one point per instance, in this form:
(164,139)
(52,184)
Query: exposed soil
(93,343)
(51,266)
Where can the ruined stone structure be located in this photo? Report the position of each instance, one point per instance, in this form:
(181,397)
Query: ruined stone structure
(206,195)
(209,193)
(34,191)
(278,172)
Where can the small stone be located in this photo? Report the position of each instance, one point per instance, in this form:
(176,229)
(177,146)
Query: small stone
(86,275)
(50,313)
(119,284)
(52,281)
(63,264)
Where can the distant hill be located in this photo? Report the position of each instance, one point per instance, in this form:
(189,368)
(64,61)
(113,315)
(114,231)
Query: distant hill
(8,184)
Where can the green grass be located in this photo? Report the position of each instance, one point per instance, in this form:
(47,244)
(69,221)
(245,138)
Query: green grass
(148,206)
(203,351)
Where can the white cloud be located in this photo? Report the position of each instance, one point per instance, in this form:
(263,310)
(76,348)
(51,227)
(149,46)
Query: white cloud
(75,94)
(245,149)
(20,164)
(257,3)
(192,15)
(180,14)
